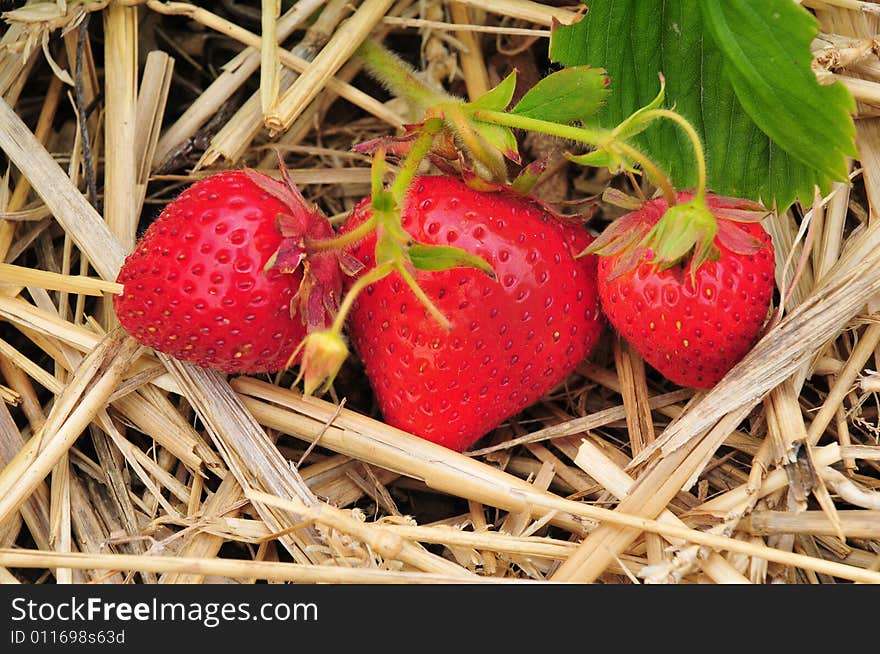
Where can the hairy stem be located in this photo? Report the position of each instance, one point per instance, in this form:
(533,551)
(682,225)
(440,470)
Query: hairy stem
(417,153)
(359,285)
(343,240)
(569,132)
(699,155)
(651,169)
(398,76)
(595,137)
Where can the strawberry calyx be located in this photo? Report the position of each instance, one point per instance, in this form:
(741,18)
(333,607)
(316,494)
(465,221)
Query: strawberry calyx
(728,212)
(686,229)
(317,299)
(621,237)
(685,235)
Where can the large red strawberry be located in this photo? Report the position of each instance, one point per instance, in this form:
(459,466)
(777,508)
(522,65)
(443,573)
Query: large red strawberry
(222,278)
(694,312)
(512,339)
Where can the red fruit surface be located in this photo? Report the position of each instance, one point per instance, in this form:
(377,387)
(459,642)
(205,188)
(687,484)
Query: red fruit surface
(692,332)
(512,339)
(195,285)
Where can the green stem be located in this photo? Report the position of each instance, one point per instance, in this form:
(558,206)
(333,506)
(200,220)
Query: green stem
(569,132)
(594,137)
(653,171)
(398,76)
(699,155)
(377,175)
(342,240)
(360,284)
(375,275)
(392,239)
(419,149)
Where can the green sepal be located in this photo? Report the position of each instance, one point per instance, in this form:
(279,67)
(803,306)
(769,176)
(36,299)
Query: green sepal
(501,138)
(444,257)
(383,201)
(390,249)
(636,124)
(527,178)
(497,98)
(566,96)
(603,158)
(685,228)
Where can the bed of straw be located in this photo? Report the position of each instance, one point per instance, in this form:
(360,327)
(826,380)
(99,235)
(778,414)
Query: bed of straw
(124,466)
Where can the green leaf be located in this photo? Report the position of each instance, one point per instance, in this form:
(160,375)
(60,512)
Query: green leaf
(781,79)
(443,257)
(739,71)
(498,98)
(566,96)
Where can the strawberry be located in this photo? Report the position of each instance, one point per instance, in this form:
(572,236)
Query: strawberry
(689,293)
(222,278)
(512,338)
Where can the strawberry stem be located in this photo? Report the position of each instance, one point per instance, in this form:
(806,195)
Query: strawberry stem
(653,171)
(399,77)
(359,285)
(686,230)
(419,149)
(343,240)
(588,136)
(696,143)
(386,217)
(393,242)
(569,132)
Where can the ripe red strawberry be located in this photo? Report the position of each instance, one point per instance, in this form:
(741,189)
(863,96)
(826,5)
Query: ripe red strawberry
(512,338)
(197,285)
(691,321)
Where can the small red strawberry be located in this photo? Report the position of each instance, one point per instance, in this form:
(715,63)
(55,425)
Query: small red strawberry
(512,338)
(223,277)
(691,317)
